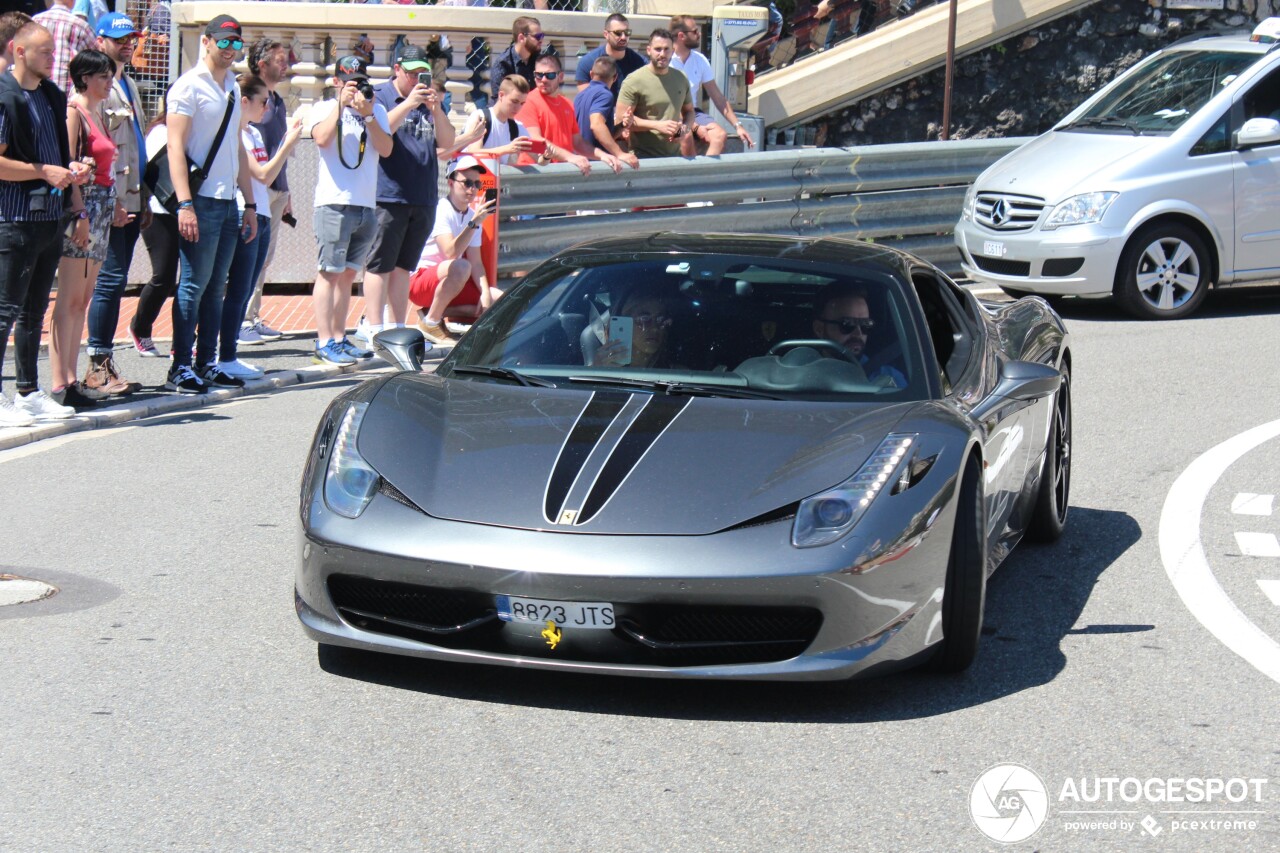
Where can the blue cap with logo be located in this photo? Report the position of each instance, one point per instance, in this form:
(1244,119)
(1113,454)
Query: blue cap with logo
(114,25)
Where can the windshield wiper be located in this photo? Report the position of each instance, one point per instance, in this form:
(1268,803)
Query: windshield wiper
(503,373)
(692,389)
(1106,121)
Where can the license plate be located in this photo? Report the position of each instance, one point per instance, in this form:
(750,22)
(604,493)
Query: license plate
(993,249)
(566,614)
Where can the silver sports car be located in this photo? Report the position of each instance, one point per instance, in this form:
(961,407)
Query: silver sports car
(704,456)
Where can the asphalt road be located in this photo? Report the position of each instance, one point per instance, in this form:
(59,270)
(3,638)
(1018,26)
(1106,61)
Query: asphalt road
(166,697)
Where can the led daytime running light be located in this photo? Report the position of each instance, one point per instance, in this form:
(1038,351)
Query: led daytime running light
(826,517)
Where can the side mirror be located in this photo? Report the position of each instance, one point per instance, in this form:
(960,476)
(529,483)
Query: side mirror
(1027,380)
(404,347)
(1258,131)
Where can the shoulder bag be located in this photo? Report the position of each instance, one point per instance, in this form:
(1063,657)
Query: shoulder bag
(160,182)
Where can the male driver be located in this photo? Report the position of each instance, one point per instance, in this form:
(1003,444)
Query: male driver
(71,34)
(688,59)
(549,115)
(352,134)
(504,137)
(126,120)
(844,317)
(657,102)
(593,108)
(451,260)
(269,59)
(208,220)
(617,32)
(407,186)
(526,45)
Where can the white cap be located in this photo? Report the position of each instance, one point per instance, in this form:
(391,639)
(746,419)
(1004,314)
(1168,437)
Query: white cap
(465,162)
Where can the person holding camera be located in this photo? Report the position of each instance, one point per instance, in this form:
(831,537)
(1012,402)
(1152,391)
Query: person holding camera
(407,187)
(352,133)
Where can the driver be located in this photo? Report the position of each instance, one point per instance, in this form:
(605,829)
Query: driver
(844,318)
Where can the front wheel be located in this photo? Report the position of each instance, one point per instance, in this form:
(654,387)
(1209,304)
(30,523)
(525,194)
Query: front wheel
(1050,514)
(1164,273)
(965,593)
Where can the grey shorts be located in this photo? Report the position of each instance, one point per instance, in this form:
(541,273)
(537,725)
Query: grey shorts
(344,234)
(402,233)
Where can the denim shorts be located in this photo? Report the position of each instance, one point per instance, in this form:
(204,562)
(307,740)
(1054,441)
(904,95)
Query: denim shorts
(344,234)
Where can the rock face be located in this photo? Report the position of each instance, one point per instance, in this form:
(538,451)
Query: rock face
(1023,85)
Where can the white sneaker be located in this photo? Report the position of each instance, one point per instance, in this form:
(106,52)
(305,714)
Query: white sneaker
(10,416)
(41,406)
(240,369)
(249,336)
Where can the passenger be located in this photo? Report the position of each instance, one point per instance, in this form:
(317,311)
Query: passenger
(651,316)
(844,318)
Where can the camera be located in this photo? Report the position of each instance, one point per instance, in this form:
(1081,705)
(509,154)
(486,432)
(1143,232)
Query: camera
(366,89)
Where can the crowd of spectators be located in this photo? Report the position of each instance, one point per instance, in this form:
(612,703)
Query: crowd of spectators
(86,170)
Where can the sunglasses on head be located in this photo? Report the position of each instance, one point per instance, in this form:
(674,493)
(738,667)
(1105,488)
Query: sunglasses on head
(234,44)
(469,183)
(849,324)
(545,75)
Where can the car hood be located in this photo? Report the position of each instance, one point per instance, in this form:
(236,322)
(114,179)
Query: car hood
(1059,164)
(609,461)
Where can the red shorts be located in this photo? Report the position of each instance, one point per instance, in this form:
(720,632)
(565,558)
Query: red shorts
(423,284)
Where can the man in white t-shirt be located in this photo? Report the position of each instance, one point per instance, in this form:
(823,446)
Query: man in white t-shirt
(351,133)
(501,118)
(688,59)
(450,275)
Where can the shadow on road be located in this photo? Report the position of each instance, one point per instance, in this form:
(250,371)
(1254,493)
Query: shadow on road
(1231,302)
(1033,602)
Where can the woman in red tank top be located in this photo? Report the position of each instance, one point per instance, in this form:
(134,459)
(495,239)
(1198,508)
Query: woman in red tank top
(85,247)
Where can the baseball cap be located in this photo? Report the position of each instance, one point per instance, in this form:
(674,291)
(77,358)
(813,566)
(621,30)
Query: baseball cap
(465,162)
(115,25)
(351,68)
(224,26)
(414,58)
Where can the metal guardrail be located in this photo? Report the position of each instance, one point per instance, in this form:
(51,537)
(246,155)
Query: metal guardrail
(906,195)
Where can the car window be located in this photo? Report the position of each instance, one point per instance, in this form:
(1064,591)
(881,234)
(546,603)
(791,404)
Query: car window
(950,327)
(716,325)
(1216,139)
(1263,98)
(1166,92)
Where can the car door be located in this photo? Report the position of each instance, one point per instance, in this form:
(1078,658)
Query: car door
(1256,175)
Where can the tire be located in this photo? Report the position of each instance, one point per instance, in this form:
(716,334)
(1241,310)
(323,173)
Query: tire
(1052,500)
(1164,273)
(965,593)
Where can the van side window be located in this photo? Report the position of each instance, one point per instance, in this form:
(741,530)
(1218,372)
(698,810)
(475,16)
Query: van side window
(1263,99)
(1215,138)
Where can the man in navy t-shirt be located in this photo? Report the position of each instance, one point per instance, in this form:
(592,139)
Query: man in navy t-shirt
(593,107)
(407,187)
(617,32)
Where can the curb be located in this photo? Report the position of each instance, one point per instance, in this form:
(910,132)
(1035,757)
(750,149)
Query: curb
(12,437)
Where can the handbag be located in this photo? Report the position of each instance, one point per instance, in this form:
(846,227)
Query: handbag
(160,182)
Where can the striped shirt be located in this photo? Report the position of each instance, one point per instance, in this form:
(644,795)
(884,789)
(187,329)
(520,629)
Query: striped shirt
(71,34)
(15,204)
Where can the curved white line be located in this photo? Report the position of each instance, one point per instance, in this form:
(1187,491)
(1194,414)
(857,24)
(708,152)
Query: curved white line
(1182,552)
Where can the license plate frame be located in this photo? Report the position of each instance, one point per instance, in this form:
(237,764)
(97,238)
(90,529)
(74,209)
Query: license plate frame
(577,615)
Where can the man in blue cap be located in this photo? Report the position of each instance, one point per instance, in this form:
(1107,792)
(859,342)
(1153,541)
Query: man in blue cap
(126,122)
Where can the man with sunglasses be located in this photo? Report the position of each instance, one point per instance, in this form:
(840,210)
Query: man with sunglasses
(549,116)
(687,59)
(528,42)
(844,318)
(126,120)
(617,34)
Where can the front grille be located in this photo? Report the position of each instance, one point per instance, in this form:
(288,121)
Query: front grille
(1007,212)
(1062,267)
(1001,266)
(396,495)
(646,634)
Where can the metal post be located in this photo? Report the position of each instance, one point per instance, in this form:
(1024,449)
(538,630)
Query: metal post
(951,71)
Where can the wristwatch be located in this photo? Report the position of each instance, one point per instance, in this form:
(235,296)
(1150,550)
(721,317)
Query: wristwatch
(367,119)
(81,213)
(250,204)
(471,223)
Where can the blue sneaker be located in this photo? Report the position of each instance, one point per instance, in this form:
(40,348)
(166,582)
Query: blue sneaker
(331,353)
(354,351)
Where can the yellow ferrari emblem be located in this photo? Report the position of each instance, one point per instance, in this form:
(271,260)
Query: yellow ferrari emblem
(568,516)
(552,634)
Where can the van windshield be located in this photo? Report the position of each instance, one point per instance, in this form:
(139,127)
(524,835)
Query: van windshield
(1165,93)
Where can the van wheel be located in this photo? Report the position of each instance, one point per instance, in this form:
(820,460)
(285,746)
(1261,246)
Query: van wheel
(965,592)
(1163,273)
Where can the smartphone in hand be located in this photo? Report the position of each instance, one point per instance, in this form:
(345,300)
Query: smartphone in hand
(620,332)
(491,194)
(424,78)
(537,147)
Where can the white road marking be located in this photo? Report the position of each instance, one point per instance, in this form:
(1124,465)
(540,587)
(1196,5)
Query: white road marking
(50,443)
(1272,590)
(1247,503)
(1182,552)
(1258,544)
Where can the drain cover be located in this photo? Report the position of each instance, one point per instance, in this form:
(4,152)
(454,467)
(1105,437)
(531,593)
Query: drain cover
(16,590)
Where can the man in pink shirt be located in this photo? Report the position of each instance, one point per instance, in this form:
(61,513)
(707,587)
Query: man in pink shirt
(71,34)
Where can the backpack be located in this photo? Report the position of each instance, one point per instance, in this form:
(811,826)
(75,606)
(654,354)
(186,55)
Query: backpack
(488,123)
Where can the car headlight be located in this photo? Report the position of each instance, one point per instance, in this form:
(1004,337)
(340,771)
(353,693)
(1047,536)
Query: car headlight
(1080,209)
(966,211)
(349,482)
(826,517)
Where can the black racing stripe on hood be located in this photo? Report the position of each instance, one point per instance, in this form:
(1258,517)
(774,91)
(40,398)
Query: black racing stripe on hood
(600,411)
(657,415)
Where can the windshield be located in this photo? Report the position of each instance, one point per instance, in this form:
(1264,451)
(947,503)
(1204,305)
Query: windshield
(706,325)
(1165,93)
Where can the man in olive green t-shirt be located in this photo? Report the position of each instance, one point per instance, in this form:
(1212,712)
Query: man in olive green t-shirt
(656,103)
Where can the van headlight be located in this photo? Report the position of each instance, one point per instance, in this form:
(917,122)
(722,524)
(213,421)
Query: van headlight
(827,516)
(966,212)
(350,482)
(1080,209)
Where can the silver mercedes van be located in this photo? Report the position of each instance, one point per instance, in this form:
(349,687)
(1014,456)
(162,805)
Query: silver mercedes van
(1162,184)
